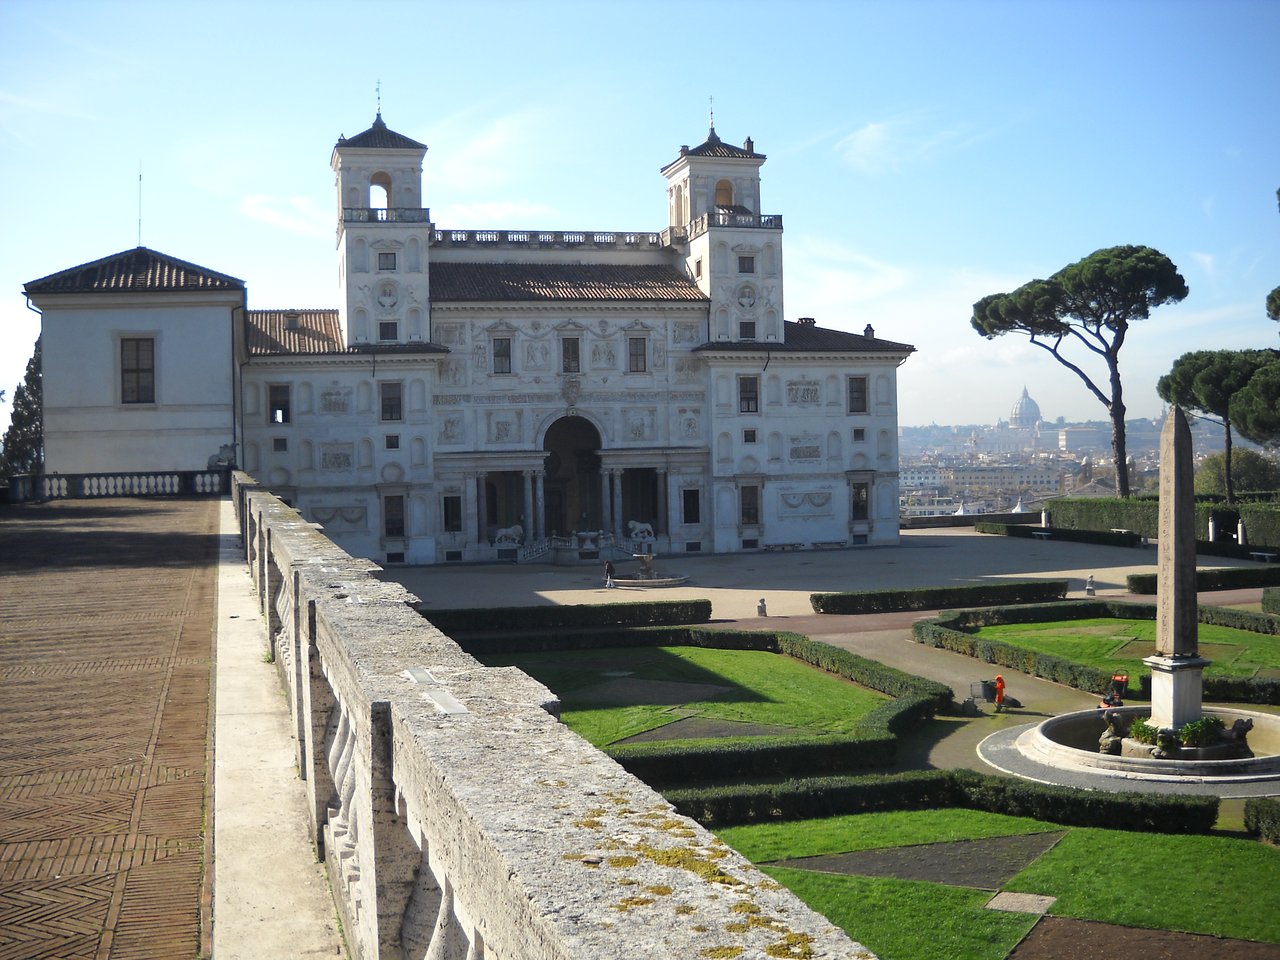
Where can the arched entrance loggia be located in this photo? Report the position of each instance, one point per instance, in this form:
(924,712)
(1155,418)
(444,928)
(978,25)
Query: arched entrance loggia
(572,482)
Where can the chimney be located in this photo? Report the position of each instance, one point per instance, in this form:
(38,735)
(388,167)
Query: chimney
(806,322)
(749,145)
(870,332)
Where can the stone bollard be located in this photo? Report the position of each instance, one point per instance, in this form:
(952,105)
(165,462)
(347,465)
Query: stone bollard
(1088,586)
(1240,533)
(761,609)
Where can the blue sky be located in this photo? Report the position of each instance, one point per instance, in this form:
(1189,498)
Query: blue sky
(922,154)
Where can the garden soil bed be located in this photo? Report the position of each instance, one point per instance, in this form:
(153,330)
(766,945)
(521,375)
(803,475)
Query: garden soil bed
(1053,938)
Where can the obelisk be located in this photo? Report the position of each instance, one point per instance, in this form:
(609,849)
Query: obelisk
(1176,668)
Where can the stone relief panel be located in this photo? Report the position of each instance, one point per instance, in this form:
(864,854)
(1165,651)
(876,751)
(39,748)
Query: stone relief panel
(451,429)
(503,426)
(450,334)
(639,423)
(687,370)
(337,457)
(685,333)
(803,393)
(338,518)
(802,503)
(659,354)
(804,446)
(537,355)
(604,355)
(689,423)
(453,372)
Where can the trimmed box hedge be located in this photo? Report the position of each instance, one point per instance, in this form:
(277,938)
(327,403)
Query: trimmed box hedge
(832,796)
(568,616)
(950,631)
(1105,538)
(1142,516)
(1232,578)
(1271,600)
(1262,818)
(937,598)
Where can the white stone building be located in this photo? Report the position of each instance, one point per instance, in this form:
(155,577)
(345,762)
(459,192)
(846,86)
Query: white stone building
(484,394)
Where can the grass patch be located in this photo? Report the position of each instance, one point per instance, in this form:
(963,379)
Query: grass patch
(1196,884)
(907,919)
(662,684)
(1109,644)
(763,842)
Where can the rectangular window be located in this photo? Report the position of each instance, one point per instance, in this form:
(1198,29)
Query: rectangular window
(279,444)
(746,330)
(392,441)
(636,354)
(860,508)
(388,330)
(746,264)
(570,355)
(748,436)
(859,435)
(697,269)
(749,501)
(748,394)
(391,397)
(691,505)
(393,516)
(138,370)
(501,354)
(453,514)
(858,395)
(278,403)
(386,261)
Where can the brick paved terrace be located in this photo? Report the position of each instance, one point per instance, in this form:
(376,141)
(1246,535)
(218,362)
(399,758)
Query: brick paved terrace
(106,625)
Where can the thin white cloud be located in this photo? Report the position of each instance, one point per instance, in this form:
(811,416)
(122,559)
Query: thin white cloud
(1207,263)
(477,157)
(494,215)
(891,145)
(301,215)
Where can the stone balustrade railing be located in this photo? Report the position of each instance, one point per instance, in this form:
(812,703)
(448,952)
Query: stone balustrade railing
(549,239)
(160,483)
(457,816)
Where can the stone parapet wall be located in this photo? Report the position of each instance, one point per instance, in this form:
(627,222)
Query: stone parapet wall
(457,816)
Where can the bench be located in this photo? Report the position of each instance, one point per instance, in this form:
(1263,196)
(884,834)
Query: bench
(1042,534)
(784,546)
(1265,555)
(1120,530)
(829,544)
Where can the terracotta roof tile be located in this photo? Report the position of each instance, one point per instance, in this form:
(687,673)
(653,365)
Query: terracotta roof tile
(132,271)
(378,137)
(715,147)
(559,281)
(275,332)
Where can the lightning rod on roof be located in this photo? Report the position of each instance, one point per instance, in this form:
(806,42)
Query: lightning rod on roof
(378,90)
(139,202)
(712,101)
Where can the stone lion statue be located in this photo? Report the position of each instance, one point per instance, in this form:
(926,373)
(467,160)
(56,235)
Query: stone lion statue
(639,531)
(509,535)
(1117,730)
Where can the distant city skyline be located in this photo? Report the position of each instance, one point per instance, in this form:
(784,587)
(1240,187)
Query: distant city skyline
(922,154)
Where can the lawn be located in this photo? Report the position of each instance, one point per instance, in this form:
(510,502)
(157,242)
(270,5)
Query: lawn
(1196,884)
(607,696)
(1113,644)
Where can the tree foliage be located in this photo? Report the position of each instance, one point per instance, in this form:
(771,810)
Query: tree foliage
(1088,305)
(1255,410)
(1206,380)
(1252,471)
(24,440)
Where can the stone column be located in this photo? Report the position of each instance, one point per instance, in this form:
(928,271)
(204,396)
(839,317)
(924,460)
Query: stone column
(606,506)
(617,503)
(663,524)
(482,508)
(470,519)
(1176,683)
(528,506)
(540,504)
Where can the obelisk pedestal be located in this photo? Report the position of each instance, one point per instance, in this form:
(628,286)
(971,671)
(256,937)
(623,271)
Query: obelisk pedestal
(1177,667)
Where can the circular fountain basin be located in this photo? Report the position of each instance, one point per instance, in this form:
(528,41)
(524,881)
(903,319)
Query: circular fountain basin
(1071,741)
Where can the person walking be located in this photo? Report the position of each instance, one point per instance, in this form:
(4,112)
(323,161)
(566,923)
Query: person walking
(999,692)
(608,575)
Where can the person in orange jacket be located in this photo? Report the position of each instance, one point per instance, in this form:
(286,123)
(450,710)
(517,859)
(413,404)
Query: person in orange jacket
(999,692)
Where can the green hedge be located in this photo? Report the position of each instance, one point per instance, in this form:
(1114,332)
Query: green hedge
(1142,516)
(950,631)
(1271,600)
(1100,537)
(831,796)
(873,744)
(569,616)
(1262,818)
(1232,578)
(936,598)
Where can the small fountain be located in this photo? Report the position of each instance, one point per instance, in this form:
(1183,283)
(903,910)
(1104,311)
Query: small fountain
(1179,739)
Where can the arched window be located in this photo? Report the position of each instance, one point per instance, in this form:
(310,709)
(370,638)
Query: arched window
(380,191)
(724,193)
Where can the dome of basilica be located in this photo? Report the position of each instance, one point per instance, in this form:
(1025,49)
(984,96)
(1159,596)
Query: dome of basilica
(1026,412)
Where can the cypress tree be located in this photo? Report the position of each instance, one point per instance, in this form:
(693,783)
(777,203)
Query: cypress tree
(23,443)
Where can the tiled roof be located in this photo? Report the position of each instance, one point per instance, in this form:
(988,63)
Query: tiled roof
(279,333)
(715,147)
(132,271)
(378,137)
(559,281)
(272,332)
(807,338)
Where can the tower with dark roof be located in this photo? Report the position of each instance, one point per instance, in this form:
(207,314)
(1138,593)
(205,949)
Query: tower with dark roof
(730,248)
(384,232)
